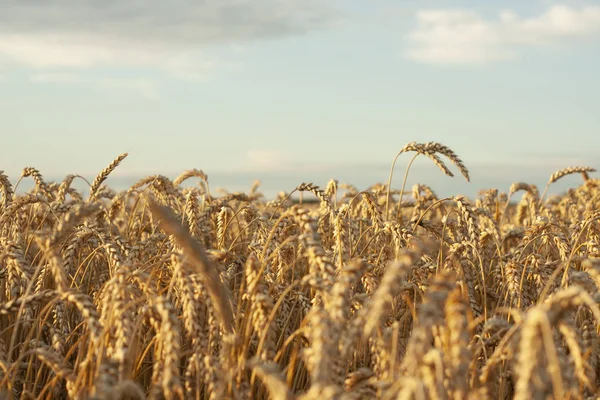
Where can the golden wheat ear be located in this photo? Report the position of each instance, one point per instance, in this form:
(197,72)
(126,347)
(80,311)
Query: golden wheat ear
(104,174)
(193,249)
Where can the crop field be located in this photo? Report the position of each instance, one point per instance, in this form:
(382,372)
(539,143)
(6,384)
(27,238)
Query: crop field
(168,291)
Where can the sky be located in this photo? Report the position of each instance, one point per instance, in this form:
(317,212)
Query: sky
(287,91)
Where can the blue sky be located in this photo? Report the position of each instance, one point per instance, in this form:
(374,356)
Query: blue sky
(298,90)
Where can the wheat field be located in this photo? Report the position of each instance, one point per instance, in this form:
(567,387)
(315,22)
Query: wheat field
(165,290)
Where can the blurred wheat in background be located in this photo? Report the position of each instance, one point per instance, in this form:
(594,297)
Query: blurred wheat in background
(165,290)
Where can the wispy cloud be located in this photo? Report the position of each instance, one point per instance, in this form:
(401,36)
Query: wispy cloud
(145,87)
(56,77)
(267,160)
(69,34)
(465,37)
(279,161)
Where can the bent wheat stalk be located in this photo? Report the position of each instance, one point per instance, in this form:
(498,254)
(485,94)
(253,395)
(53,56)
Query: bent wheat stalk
(193,249)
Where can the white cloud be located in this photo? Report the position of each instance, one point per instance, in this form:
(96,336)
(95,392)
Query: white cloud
(174,38)
(465,37)
(145,87)
(56,77)
(52,53)
(191,67)
(266,160)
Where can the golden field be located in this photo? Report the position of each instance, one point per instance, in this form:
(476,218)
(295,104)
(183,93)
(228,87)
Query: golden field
(168,291)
